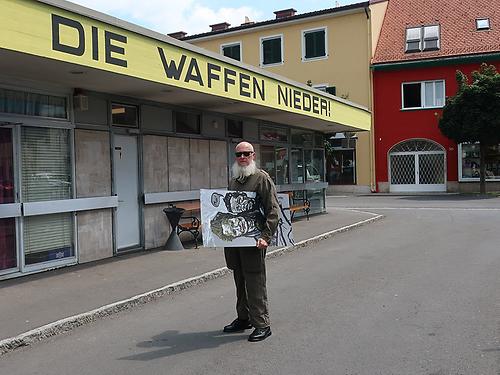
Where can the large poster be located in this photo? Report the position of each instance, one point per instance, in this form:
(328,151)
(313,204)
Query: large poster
(235,218)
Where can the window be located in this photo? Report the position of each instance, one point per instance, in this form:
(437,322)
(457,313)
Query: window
(428,94)
(124,115)
(314,44)
(424,38)
(234,128)
(32,104)
(324,87)
(469,162)
(482,24)
(302,138)
(46,176)
(232,50)
(271,51)
(188,123)
(267,162)
(273,134)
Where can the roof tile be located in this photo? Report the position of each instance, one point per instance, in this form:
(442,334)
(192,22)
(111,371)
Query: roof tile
(457,20)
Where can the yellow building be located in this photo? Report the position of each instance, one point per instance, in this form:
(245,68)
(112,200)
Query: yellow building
(329,49)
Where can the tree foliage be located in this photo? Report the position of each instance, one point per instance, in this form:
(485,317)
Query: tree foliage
(473,114)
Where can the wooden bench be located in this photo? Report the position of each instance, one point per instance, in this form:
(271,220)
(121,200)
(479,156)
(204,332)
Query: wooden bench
(189,223)
(298,204)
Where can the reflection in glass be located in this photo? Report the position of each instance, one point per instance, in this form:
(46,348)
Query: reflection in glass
(281,165)
(471,161)
(267,161)
(273,134)
(297,165)
(8,256)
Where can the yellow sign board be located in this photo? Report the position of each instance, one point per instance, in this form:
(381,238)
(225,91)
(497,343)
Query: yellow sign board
(39,29)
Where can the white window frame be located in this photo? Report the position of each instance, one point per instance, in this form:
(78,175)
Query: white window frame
(422,94)
(232,44)
(321,86)
(304,32)
(269,37)
(422,39)
(485,27)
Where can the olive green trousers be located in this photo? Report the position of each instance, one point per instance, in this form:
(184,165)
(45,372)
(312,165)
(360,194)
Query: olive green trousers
(249,270)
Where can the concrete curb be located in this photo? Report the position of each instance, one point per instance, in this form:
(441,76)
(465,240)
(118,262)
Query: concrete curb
(67,324)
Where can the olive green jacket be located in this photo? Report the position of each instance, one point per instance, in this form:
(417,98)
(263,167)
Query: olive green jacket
(262,184)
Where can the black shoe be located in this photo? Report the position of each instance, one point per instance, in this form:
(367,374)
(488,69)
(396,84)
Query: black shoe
(260,334)
(237,326)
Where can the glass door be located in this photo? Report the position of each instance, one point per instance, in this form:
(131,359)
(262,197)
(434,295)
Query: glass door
(8,248)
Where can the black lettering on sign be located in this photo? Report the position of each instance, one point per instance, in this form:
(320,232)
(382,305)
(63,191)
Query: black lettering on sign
(227,79)
(212,76)
(315,104)
(170,67)
(296,99)
(109,47)
(260,89)
(306,102)
(244,85)
(193,65)
(282,95)
(57,21)
(324,106)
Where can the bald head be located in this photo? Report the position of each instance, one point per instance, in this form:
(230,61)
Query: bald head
(243,146)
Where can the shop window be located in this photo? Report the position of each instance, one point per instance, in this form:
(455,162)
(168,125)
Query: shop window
(271,50)
(187,123)
(124,115)
(232,50)
(302,138)
(46,175)
(314,162)
(268,133)
(281,165)
(234,128)
(314,44)
(8,256)
(340,159)
(267,161)
(470,162)
(32,104)
(297,165)
(428,94)
(423,38)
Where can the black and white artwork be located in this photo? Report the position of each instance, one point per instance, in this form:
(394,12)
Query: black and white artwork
(235,218)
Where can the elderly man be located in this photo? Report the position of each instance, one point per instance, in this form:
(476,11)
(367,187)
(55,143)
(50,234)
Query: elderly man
(248,263)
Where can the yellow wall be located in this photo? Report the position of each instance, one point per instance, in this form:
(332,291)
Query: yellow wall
(347,66)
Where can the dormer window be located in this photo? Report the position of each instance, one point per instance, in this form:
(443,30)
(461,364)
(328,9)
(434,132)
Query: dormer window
(423,38)
(482,24)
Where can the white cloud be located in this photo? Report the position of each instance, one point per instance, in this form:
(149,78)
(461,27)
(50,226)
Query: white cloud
(169,16)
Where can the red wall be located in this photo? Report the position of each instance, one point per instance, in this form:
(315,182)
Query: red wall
(393,125)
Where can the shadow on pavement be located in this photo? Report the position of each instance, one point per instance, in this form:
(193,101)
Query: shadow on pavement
(172,342)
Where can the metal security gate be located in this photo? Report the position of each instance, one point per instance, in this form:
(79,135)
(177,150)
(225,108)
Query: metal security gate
(417,166)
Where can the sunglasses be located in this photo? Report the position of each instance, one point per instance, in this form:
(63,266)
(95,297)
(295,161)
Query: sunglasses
(243,153)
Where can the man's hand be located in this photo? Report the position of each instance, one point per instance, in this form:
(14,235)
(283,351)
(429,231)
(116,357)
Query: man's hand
(262,243)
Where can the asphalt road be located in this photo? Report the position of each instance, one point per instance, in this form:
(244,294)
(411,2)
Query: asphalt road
(414,293)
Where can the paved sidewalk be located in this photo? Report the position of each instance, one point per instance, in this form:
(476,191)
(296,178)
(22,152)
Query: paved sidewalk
(34,301)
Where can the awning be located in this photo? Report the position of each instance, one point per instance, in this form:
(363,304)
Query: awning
(72,46)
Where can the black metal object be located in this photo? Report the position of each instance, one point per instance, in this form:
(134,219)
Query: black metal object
(173,214)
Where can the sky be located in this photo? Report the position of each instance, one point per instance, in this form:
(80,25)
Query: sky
(195,16)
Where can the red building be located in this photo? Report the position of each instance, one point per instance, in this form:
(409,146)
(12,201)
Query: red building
(421,46)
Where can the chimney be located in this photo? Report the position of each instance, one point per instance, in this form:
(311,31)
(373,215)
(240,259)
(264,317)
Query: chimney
(247,21)
(285,13)
(220,26)
(178,34)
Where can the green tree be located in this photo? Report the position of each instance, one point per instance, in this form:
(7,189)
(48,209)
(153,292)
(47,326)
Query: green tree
(473,114)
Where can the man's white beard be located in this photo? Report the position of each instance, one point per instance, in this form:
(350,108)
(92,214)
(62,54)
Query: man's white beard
(243,171)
